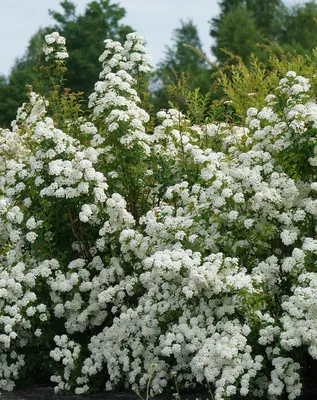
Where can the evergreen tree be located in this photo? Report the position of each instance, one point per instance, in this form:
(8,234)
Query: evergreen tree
(13,88)
(241,24)
(236,33)
(3,95)
(179,61)
(300,31)
(85,34)
(268,16)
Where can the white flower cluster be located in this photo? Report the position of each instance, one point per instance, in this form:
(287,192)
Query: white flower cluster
(55,47)
(116,96)
(192,248)
(67,351)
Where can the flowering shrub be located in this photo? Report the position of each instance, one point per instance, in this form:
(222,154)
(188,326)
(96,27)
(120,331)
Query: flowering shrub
(190,249)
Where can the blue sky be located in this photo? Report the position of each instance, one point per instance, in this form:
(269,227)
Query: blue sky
(154,19)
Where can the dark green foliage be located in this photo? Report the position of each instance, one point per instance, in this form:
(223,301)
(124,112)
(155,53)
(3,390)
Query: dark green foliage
(239,27)
(243,23)
(237,33)
(265,14)
(13,89)
(3,97)
(85,35)
(181,60)
(300,31)
(268,16)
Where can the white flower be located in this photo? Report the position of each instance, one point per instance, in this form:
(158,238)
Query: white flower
(31,237)
(288,237)
(233,215)
(248,223)
(31,223)
(291,74)
(30,311)
(252,112)
(61,55)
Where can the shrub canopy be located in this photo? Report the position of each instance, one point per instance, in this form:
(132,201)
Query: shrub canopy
(129,255)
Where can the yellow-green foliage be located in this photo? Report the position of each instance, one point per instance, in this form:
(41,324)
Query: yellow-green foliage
(247,86)
(238,86)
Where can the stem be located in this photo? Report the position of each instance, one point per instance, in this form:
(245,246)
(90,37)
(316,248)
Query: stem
(182,144)
(83,248)
(177,395)
(209,391)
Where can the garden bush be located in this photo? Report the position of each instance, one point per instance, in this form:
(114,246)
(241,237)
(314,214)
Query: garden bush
(131,255)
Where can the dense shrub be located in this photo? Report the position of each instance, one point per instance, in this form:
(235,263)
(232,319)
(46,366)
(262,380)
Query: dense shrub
(128,256)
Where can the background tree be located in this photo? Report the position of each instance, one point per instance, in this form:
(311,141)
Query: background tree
(300,31)
(242,24)
(181,63)
(13,88)
(85,35)
(236,33)
(3,95)
(268,16)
